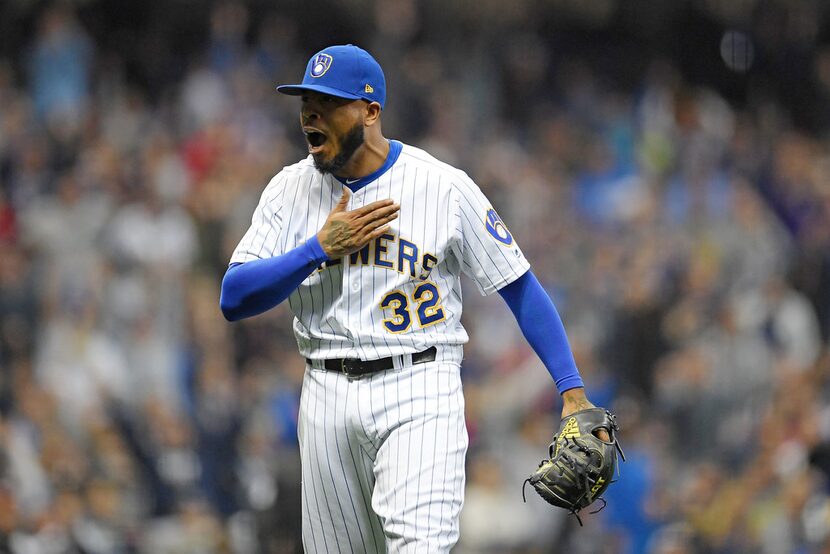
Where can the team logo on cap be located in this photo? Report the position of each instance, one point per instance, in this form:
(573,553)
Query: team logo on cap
(321,64)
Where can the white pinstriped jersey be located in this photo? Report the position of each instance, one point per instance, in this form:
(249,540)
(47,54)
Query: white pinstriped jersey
(401,293)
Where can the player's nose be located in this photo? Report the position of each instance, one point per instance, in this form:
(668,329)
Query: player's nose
(309,109)
(308,116)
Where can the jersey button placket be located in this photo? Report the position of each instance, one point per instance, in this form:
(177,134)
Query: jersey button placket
(352,280)
(353,303)
(351,285)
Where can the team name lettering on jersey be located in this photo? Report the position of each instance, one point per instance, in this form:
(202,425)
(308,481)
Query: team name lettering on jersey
(392,252)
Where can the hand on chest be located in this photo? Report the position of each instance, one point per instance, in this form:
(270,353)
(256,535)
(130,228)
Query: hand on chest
(415,242)
(394,253)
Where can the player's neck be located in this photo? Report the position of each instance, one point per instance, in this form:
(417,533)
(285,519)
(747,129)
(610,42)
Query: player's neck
(367,159)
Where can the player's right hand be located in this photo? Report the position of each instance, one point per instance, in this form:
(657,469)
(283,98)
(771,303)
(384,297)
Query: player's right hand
(345,231)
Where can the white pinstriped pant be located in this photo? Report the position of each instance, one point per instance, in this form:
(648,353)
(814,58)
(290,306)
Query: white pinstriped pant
(382,460)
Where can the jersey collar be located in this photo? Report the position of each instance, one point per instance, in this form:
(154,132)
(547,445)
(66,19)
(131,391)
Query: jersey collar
(355,185)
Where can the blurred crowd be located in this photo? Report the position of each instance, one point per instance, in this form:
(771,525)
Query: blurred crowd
(685,242)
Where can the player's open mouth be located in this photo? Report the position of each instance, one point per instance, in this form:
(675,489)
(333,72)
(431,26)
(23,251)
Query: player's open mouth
(316,139)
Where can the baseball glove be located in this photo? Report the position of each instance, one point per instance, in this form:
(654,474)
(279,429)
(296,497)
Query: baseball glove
(581,465)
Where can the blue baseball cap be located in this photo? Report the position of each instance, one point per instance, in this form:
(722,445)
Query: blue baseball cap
(345,71)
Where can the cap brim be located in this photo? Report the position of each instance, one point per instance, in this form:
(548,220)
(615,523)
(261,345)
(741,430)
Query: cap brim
(296,90)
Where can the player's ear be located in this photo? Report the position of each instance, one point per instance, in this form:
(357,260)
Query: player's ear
(372,114)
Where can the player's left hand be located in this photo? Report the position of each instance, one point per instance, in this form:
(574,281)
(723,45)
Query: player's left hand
(583,457)
(574,400)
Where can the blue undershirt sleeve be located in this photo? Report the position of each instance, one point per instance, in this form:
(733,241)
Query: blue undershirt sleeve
(253,287)
(542,327)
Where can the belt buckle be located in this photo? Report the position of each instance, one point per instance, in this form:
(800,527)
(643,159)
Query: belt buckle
(347,365)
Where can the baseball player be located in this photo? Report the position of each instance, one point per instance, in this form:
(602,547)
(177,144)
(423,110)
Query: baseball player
(367,239)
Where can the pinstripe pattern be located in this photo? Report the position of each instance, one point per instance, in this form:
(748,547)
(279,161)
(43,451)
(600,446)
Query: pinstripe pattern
(337,309)
(386,473)
(383,456)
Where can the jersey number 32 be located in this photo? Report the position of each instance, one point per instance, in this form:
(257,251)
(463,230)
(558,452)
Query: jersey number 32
(427,306)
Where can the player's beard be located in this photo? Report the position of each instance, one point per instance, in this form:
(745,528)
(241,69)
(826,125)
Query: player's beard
(349,144)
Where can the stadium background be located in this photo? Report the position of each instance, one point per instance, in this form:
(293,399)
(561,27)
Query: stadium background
(669,181)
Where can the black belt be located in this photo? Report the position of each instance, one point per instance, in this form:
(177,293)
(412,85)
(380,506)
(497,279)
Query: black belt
(355,366)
